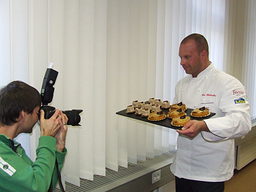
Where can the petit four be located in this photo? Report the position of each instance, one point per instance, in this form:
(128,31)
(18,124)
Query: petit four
(180,121)
(130,109)
(178,106)
(156,116)
(200,112)
(176,113)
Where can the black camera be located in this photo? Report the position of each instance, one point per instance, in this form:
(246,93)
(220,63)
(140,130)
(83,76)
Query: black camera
(47,95)
(73,115)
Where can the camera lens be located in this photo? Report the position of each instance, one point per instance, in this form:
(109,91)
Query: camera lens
(73,116)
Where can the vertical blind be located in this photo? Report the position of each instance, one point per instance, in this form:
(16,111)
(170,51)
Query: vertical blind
(112,52)
(249,57)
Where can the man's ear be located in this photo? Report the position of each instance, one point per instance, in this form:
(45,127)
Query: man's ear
(21,116)
(204,53)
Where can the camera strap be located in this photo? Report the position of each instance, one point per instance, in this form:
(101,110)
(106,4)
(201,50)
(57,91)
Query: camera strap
(59,178)
(13,146)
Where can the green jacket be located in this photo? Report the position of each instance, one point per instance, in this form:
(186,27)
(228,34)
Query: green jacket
(19,174)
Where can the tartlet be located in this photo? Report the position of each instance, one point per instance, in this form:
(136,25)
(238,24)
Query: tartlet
(176,113)
(180,121)
(179,105)
(156,116)
(200,112)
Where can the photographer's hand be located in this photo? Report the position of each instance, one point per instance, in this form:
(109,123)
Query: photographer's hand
(61,134)
(49,127)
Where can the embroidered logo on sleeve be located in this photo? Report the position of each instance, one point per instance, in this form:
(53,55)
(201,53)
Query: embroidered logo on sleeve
(6,167)
(240,100)
(238,92)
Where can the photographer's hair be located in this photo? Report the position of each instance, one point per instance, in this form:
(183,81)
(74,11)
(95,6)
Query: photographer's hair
(200,40)
(15,97)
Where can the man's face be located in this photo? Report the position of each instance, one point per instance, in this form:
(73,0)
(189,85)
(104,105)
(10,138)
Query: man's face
(30,120)
(190,58)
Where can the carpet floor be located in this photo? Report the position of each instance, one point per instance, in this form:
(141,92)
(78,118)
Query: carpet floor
(243,180)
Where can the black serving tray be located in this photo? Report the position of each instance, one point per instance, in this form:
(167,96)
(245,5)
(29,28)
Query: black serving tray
(165,123)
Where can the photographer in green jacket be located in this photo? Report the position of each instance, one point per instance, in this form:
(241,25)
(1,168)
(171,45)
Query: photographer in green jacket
(19,112)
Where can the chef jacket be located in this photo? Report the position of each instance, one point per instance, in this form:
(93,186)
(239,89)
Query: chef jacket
(210,156)
(19,174)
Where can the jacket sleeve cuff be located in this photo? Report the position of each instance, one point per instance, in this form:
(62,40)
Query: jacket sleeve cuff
(211,136)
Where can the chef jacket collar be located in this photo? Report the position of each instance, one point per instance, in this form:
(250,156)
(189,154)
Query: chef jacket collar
(205,71)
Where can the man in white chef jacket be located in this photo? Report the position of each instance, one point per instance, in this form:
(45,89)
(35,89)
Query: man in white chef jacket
(205,149)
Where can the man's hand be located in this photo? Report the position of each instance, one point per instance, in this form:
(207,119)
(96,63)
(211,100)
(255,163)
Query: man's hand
(192,128)
(61,134)
(49,127)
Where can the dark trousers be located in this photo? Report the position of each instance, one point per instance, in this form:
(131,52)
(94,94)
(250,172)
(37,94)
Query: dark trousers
(185,185)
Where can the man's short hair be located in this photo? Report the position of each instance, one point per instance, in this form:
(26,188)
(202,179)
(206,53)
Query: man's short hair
(200,40)
(15,97)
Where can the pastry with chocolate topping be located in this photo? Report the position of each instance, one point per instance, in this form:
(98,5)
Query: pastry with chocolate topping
(179,105)
(176,113)
(165,105)
(145,112)
(130,109)
(200,112)
(180,121)
(156,116)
